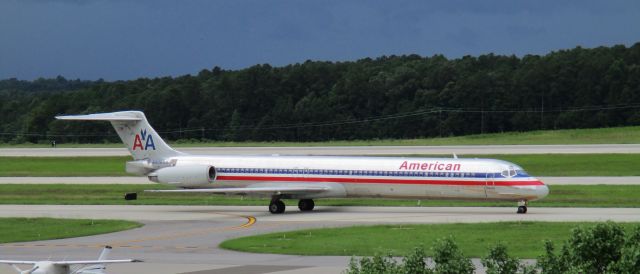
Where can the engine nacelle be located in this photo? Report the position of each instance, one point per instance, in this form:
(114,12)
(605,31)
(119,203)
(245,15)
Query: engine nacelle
(185,176)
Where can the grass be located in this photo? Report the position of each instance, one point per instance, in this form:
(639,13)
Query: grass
(560,196)
(523,239)
(535,164)
(38,229)
(575,164)
(62,166)
(614,135)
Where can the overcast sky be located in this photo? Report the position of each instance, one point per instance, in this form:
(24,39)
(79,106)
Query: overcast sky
(126,39)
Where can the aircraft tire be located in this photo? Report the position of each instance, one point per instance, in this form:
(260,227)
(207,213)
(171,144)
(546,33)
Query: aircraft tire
(522,209)
(306,204)
(276,207)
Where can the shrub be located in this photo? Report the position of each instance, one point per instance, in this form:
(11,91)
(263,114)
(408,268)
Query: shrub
(449,259)
(498,261)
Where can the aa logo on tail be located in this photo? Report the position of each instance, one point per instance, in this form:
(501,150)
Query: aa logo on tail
(143,137)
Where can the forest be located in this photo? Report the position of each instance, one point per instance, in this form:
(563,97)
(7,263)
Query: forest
(389,97)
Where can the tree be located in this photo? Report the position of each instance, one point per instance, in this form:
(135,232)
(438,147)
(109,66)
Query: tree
(498,261)
(449,259)
(597,249)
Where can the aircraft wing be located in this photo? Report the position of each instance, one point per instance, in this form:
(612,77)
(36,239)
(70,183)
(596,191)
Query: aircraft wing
(267,190)
(16,262)
(96,262)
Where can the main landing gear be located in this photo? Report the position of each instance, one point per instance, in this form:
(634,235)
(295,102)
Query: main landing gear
(522,207)
(277,206)
(306,205)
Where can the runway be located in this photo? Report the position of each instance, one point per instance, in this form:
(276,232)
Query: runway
(184,239)
(340,150)
(596,180)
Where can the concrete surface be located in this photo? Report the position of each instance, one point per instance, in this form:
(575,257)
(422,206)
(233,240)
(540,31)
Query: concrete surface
(184,239)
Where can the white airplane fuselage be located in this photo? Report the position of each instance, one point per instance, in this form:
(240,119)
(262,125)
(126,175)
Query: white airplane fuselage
(382,177)
(310,177)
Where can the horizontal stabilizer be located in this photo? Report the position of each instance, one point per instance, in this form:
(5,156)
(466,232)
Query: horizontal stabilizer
(112,116)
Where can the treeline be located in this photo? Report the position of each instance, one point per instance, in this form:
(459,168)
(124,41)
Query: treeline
(387,97)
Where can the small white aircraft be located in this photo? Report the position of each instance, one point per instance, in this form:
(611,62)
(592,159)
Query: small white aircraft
(68,267)
(310,177)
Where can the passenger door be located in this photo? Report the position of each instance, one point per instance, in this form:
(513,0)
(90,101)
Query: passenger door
(489,185)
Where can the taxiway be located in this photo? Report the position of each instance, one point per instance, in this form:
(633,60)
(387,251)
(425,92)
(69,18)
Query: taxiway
(184,239)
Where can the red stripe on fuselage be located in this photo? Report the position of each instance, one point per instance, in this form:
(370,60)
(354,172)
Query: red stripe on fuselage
(377,181)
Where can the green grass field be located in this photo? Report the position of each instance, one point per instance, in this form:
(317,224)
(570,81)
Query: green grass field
(536,165)
(38,229)
(560,196)
(615,135)
(523,239)
(62,166)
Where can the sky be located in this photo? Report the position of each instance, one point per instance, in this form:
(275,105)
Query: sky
(128,39)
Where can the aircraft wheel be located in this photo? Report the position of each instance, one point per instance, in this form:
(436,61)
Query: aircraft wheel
(276,207)
(522,209)
(306,205)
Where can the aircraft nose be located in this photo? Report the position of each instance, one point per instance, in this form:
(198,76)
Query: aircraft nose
(542,190)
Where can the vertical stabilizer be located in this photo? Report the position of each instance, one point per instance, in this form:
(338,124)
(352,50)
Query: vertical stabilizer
(104,255)
(142,141)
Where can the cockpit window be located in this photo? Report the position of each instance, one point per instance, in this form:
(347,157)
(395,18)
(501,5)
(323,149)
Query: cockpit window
(509,172)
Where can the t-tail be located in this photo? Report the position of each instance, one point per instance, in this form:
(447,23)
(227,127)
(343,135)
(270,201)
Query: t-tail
(142,141)
(104,255)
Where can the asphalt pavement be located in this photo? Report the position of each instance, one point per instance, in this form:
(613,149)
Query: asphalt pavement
(184,239)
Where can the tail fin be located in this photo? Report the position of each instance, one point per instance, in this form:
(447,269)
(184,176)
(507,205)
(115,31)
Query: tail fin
(105,253)
(138,136)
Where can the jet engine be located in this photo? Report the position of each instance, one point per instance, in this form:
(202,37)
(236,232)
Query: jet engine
(184,176)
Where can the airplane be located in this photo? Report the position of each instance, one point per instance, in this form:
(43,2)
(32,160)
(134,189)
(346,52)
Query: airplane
(68,267)
(306,178)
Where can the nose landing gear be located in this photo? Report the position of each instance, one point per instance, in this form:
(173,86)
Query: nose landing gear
(522,207)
